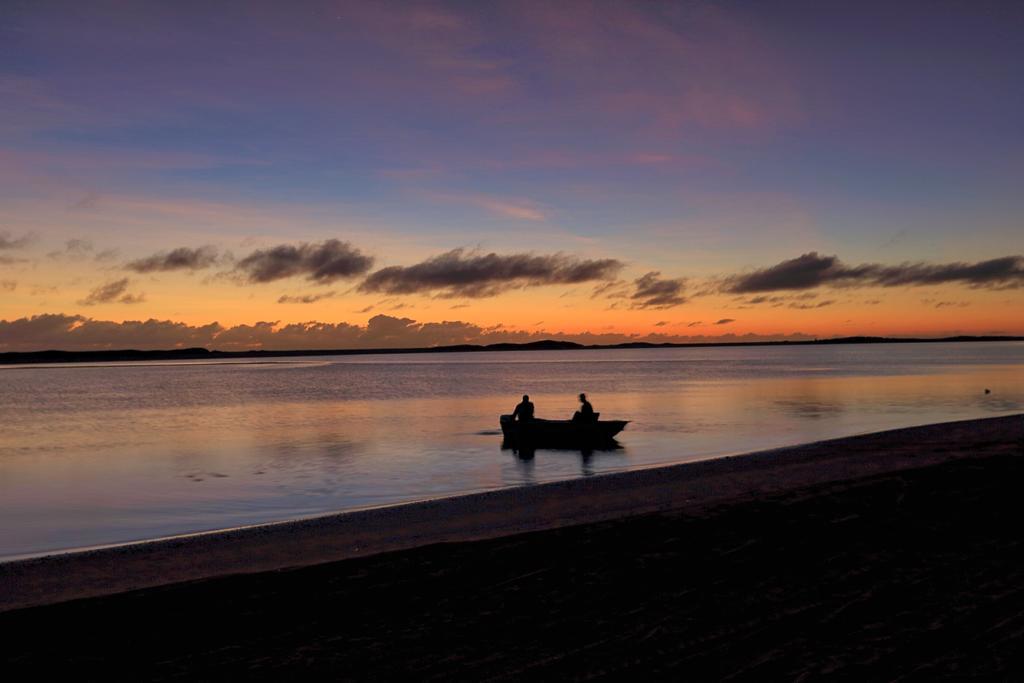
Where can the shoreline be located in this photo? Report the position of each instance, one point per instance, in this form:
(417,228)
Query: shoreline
(441,498)
(53,356)
(691,486)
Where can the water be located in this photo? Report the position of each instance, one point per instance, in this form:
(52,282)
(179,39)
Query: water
(109,453)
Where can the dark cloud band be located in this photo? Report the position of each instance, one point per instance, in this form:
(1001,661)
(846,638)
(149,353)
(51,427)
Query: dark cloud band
(461,273)
(322,262)
(653,291)
(112,292)
(182,258)
(814,270)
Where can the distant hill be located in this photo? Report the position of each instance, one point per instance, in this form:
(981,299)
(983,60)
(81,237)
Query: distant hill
(200,353)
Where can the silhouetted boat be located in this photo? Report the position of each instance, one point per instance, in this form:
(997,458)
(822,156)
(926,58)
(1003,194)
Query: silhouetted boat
(561,431)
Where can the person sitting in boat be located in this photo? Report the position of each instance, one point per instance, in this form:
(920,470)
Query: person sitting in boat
(523,411)
(586,411)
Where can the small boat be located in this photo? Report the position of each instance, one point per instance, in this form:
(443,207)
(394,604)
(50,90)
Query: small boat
(539,431)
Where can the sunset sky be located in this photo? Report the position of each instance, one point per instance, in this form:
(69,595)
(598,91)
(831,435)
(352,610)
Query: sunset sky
(346,174)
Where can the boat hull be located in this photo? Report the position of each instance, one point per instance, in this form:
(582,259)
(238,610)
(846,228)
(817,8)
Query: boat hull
(560,431)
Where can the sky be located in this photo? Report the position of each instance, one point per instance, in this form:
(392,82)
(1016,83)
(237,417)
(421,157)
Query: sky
(369,174)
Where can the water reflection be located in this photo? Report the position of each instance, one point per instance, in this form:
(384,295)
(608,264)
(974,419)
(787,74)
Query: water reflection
(526,454)
(106,454)
(809,408)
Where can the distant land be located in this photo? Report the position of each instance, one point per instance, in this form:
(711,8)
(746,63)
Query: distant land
(200,353)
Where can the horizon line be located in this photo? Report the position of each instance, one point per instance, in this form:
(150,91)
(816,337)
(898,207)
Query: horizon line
(196,352)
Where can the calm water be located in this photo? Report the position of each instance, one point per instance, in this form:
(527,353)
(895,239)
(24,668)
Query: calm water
(109,453)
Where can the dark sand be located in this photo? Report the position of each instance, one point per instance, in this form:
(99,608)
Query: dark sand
(895,556)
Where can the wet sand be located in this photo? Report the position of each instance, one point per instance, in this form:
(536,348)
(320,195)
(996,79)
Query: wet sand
(890,555)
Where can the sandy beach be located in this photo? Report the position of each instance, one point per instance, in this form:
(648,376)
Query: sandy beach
(880,556)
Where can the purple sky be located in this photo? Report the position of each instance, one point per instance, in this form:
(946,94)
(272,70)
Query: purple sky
(697,140)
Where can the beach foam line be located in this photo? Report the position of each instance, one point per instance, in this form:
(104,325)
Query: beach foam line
(491,514)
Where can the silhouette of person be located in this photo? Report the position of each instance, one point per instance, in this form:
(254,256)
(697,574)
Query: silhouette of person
(586,411)
(523,411)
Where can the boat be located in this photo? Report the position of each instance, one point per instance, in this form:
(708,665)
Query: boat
(538,431)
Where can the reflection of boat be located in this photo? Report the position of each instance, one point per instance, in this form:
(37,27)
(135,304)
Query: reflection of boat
(561,431)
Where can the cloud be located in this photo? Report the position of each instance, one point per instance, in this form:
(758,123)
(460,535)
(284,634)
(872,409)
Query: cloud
(86,203)
(115,291)
(80,333)
(725,321)
(8,285)
(322,262)
(519,209)
(804,272)
(78,246)
(661,323)
(76,249)
(470,274)
(8,242)
(695,323)
(779,299)
(812,270)
(805,307)
(304,298)
(614,289)
(182,258)
(79,249)
(654,291)
(1007,271)
(106,255)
